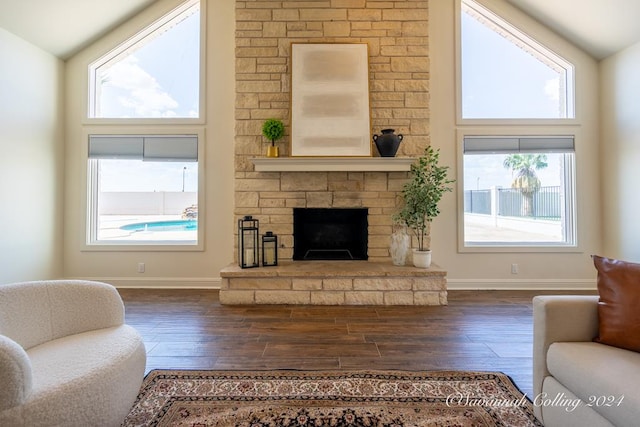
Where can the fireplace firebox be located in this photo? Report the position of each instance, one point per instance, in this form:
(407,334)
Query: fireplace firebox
(330,233)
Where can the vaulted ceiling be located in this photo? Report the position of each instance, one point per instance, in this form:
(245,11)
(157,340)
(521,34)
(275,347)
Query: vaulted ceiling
(62,27)
(599,27)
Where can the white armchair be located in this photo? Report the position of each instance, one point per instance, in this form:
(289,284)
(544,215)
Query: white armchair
(66,356)
(578,382)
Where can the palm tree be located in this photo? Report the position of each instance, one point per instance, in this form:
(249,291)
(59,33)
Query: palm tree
(526,180)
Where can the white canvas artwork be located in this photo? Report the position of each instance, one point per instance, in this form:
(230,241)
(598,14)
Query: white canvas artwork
(330,100)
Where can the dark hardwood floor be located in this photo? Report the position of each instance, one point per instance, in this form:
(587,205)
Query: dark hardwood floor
(478,330)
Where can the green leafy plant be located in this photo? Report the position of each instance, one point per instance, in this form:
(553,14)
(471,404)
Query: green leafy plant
(273,129)
(526,179)
(422,193)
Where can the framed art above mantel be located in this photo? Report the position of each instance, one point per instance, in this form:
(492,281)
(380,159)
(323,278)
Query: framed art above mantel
(330,113)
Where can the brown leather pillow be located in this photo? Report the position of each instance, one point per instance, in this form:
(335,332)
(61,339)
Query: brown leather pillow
(619,304)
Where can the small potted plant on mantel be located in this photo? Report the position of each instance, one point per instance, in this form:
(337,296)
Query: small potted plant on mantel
(273,129)
(421,195)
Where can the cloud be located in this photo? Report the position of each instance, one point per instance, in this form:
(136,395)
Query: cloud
(552,89)
(141,91)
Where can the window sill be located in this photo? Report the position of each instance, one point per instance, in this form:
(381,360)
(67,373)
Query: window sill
(523,248)
(143,247)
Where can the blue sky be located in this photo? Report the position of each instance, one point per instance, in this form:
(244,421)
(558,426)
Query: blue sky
(123,175)
(501,80)
(486,171)
(158,79)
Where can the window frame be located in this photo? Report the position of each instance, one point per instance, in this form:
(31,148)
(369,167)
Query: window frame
(513,127)
(534,42)
(571,207)
(90,196)
(132,40)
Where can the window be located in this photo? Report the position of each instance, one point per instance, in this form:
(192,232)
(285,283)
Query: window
(505,74)
(155,74)
(519,191)
(143,190)
(518,174)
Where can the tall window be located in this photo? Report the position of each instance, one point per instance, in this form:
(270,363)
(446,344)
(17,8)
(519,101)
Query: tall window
(506,74)
(155,74)
(143,190)
(519,191)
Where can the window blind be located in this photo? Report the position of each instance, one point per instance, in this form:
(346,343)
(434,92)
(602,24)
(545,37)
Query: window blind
(518,144)
(169,148)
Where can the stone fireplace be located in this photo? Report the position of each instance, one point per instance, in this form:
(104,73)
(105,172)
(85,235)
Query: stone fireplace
(330,234)
(396,32)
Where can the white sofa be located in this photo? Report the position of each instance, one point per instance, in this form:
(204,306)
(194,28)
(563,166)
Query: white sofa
(578,382)
(66,356)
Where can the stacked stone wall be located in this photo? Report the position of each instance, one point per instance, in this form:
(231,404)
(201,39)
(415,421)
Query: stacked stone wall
(396,33)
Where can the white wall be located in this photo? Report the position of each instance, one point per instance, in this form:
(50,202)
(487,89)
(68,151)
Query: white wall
(492,270)
(163,268)
(146,202)
(31,161)
(620,112)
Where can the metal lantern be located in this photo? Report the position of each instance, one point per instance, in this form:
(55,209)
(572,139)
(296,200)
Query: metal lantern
(269,249)
(248,245)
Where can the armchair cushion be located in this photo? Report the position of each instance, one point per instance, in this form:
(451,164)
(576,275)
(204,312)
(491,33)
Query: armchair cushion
(15,367)
(32,313)
(619,289)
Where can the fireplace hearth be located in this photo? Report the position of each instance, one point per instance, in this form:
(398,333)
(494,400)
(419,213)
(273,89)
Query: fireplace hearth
(330,233)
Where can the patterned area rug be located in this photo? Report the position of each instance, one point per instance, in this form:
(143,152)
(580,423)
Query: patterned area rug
(331,398)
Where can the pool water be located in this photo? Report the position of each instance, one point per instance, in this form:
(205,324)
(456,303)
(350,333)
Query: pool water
(175,225)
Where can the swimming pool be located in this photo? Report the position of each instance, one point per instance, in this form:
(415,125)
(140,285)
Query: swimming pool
(175,225)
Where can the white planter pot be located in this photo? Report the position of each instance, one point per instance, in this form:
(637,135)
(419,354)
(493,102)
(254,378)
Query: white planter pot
(421,259)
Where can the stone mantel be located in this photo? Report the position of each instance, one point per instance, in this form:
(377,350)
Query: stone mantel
(333,164)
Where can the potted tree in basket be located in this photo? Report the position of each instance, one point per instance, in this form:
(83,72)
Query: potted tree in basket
(421,195)
(272,129)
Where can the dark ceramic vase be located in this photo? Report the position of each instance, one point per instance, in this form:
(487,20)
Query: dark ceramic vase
(387,143)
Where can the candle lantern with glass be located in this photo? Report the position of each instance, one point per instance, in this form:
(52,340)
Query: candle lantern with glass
(269,249)
(248,246)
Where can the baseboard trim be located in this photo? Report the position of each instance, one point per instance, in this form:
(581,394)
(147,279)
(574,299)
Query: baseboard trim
(159,282)
(452,284)
(522,284)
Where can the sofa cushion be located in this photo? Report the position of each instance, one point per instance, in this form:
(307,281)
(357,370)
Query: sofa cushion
(608,377)
(565,414)
(618,314)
